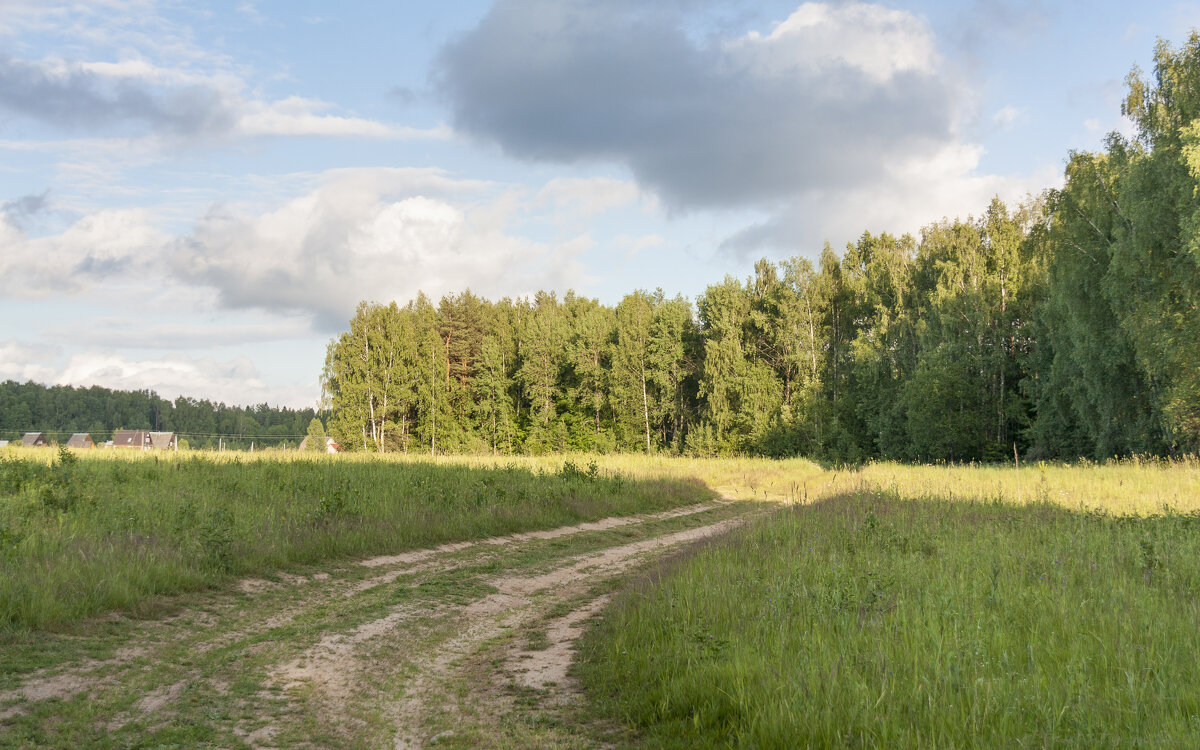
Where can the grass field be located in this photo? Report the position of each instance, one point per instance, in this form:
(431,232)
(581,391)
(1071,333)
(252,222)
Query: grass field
(869,619)
(96,531)
(879,606)
(83,534)
(1130,486)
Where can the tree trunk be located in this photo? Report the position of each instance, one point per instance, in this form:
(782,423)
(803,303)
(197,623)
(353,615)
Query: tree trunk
(646,410)
(433,403)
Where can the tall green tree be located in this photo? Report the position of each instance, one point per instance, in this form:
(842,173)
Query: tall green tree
(588,351)
(541,352)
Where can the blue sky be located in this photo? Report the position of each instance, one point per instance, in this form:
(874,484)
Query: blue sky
(194,196)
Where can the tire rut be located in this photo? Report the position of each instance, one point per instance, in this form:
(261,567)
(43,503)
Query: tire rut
(375,680)
(520,601)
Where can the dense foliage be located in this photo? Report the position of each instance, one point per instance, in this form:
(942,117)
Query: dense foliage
(61,410)
(1067,326)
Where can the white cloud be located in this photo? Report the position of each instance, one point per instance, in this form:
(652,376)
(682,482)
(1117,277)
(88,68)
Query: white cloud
(632,246)
(351,234)
(22,362)
(1006,117)
(299,116)
(571,199)
(104,245)
(115,332)
(879,41)
(914,193)
(251,13)
(374,235)
(234,381)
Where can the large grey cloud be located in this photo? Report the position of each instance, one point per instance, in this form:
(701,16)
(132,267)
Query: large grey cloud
(821,100)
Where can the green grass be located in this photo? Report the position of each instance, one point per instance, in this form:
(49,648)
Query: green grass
(224,645)
(868,620)
(88,533)
(1128,486)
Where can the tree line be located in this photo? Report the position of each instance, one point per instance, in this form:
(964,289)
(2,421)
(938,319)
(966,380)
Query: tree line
(63,409)
(1067,326)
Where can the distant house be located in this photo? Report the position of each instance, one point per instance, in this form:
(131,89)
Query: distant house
(81,440)
(144,440)
(331,445)
(164,441)
(135,439)
(34,440)
(3,443)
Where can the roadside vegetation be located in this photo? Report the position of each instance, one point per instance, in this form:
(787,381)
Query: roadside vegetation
(885,604)
(82,533)
(869,620)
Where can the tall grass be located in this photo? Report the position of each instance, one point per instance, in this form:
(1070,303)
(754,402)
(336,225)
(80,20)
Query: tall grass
(1130,486)
(82,534)
(869,620)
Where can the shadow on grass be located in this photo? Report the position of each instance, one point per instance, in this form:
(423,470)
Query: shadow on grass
(870,620)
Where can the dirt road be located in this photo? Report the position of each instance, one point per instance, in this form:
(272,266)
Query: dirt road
(463,645)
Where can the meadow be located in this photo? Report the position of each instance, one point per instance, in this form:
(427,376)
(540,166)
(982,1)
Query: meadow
(884,605)
(884,614)
(86,533)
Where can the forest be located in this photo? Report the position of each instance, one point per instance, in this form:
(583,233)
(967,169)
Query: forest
(1063,327)
(62,409)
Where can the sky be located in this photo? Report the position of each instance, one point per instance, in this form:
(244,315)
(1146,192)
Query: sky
(194,197)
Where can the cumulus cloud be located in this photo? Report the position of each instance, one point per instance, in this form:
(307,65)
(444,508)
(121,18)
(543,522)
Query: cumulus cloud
(369,234)
(910,195)
(348,235)
(824,99)
(22,362)
(235,381)
(107,244)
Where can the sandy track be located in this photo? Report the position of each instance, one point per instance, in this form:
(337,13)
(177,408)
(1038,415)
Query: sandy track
(428,666)
(520,601)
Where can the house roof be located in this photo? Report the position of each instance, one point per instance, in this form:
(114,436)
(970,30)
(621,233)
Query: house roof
(161,439)
(129,438)
(80,440)
(33,438)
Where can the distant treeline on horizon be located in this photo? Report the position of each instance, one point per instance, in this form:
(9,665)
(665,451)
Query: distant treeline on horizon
(1066,327)
(60,410)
